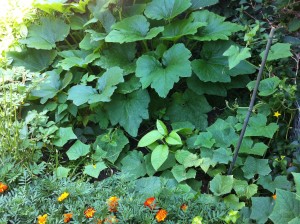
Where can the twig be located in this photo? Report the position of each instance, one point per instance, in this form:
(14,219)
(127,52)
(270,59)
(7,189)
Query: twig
(236,151)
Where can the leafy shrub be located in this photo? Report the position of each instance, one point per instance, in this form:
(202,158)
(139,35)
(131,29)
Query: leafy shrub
(108,70)
(24,203)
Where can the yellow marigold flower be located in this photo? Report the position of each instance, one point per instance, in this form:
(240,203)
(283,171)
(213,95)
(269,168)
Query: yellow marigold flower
(67,217)
(89,213)
(161,215)
(42,219)
(277,114)
(113,204)
(63,196)
(3,187)
(274,196)
(150,203)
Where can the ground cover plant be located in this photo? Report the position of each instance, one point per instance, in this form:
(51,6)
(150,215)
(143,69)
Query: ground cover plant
(156,92)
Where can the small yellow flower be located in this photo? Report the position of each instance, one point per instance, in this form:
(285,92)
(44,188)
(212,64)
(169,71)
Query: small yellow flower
(274,196)
(94,166)
(42,219)
(277,114)
(89,213)
(63,196)
(113,203)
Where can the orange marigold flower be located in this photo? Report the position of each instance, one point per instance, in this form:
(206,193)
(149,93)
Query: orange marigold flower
(63,196)
(150,203)
(3,187)
(111,219)
(113,204)
(161,215)
(184,207)
(67,217)
(42,219)
(89,213)
(274,196)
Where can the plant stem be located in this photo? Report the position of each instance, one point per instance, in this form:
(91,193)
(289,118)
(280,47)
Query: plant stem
(264,60)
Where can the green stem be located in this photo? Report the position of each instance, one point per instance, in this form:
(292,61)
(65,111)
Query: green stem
(146,46)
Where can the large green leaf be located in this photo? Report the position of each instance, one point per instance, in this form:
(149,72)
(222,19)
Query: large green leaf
(77,150)
(32,59)
(221,185)
(258,127)
(148,186)
(181,174)
(210,88)
(286,208)
(107,83)
(214,67)
(222,155)
(80,94)
(149,138)
(45,35)
(159,156)
(62,172)
(166,9)
(205,139)
(187,159)
(196,4)
(132,29)
(112,143)
(189,107)
(121,55)
(129,110)
(48,87)
(254,166)
(278,51)
(280,182)
(180,28)
(100,10)
(242,188)
(76,58)
(64,135)
(248,147)
(216,28)
(162,76)
(133,164)
(95,169)
(236,55)
(261,209)
(223,133)
(50,6)
(267,86)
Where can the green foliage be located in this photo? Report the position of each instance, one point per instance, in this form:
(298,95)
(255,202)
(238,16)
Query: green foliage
(45,35)
(107,71)
(26,203)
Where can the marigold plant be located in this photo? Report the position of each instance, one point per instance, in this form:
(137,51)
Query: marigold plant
(63,196)
(184,207)
(42,219)
(89,213)
(3,187)
(161,215)
(67,217)
(150,203)
(113,204)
